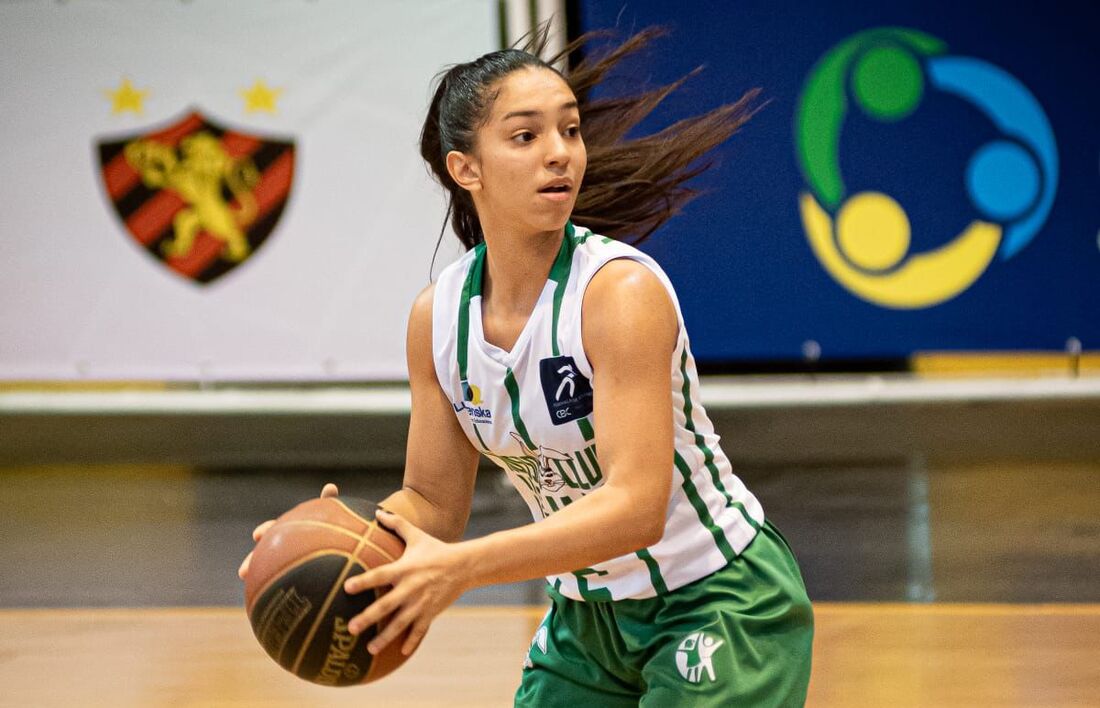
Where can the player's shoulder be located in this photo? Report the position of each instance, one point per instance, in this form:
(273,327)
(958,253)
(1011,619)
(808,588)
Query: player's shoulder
(422,303)
(420,319)
(624,284)
(627,309)
(621,275)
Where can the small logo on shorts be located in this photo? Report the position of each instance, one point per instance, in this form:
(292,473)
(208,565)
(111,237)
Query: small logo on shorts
(539,641)
(694,656)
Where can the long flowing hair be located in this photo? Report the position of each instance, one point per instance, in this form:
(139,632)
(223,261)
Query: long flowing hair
(632,184)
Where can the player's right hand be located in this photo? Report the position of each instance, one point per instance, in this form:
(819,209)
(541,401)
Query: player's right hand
(329,490)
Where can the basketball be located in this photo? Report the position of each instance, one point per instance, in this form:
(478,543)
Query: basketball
(294,591)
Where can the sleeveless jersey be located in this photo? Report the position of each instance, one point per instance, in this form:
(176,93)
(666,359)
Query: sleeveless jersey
(529,411)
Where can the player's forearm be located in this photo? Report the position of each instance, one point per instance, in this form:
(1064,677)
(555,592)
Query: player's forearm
(444,523)
(607,523)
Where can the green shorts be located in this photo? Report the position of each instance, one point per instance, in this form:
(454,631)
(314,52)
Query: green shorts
(741,636)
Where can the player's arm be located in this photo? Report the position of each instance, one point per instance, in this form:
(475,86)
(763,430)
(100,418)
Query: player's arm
(440,463)
(629,330)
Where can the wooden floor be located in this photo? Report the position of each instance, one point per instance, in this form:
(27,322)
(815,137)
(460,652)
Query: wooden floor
(877,655)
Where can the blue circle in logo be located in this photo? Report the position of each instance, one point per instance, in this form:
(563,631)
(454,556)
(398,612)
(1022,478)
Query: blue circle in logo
(1003,180)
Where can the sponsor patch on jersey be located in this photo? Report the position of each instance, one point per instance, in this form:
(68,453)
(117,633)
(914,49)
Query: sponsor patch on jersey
(472,404)
(568,393)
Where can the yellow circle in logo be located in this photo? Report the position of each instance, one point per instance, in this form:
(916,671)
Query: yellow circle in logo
(873,231)
(924,279)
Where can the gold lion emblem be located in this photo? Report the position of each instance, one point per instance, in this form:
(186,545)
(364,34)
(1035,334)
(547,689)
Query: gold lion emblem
(198,174)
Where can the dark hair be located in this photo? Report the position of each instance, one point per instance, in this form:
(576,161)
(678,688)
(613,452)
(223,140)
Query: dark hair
(631,186)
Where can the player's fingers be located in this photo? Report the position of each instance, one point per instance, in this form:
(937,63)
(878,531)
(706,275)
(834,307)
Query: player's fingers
(329,490)
(397,524)
(416,634)
(378,610)
(375,577)
(259,531)
(243,570)
(393,629)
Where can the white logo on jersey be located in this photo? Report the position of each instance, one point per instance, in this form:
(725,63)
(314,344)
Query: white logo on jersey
(695,655)
(549,479)
(569,376)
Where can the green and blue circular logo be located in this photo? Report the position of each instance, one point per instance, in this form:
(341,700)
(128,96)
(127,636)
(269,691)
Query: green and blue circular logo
(863,240)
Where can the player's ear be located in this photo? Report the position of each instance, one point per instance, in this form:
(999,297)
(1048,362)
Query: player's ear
(464,170)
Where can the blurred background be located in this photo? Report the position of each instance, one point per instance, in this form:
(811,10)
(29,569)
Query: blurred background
(214,219)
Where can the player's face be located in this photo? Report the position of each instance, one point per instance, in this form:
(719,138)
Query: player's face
(530,154)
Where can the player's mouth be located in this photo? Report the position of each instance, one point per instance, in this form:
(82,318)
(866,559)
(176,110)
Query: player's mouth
(558,190)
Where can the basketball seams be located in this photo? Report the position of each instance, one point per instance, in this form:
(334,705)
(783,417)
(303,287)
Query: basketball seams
(296,563)
(372,527)
(363,541)
(323,609)
(375,527)
(325,525)
(354,515)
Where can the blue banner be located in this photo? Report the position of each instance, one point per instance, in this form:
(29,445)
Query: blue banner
(924,175)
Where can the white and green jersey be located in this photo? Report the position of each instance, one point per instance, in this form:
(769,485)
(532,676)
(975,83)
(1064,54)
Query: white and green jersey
(530,411)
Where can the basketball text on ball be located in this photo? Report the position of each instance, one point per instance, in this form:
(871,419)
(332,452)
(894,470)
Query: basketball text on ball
(339,651)
(280,618)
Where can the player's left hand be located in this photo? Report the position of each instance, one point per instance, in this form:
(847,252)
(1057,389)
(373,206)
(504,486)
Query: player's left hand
(426,580)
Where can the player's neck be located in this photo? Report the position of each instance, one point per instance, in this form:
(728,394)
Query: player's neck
(516,267)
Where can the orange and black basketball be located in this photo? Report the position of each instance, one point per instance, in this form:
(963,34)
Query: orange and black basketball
(294,591)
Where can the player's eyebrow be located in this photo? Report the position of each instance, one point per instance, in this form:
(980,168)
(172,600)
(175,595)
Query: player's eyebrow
(534,114)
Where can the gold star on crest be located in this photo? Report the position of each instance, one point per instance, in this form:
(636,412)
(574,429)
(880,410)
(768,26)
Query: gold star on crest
(126,98)
(260,97)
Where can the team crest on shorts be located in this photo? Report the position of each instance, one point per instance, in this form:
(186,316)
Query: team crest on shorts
(198,197)
(695,656)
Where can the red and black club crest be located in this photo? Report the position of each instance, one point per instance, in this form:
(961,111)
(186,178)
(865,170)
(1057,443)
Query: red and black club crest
(199,197)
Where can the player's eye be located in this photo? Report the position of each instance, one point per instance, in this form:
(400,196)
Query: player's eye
(525,136)
(573,131)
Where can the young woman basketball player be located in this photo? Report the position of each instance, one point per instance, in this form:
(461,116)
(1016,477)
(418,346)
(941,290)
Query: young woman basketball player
(561,355)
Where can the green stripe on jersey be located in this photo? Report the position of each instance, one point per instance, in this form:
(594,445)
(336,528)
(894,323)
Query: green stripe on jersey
(655,576)
(470,288)
(559,273)
(745,512)
(708,454)
(586,429)
(513,393)
(484,447)
(701,509)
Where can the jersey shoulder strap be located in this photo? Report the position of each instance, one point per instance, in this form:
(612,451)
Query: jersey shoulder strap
(446,303)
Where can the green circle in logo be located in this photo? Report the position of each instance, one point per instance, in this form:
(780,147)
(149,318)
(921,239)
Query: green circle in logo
(888,83)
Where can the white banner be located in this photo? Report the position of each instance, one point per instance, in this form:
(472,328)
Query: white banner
(214,190)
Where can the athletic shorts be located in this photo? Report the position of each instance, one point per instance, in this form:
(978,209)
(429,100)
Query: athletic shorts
(741,636)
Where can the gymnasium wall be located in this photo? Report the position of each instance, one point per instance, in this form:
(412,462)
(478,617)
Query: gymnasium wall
(289,126)
(921,176)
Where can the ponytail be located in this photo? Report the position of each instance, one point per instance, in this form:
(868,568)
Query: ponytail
(631,186)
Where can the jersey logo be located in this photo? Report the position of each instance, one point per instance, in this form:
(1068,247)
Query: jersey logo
(695,656)
(568,394)
(550,479)
(472,404)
